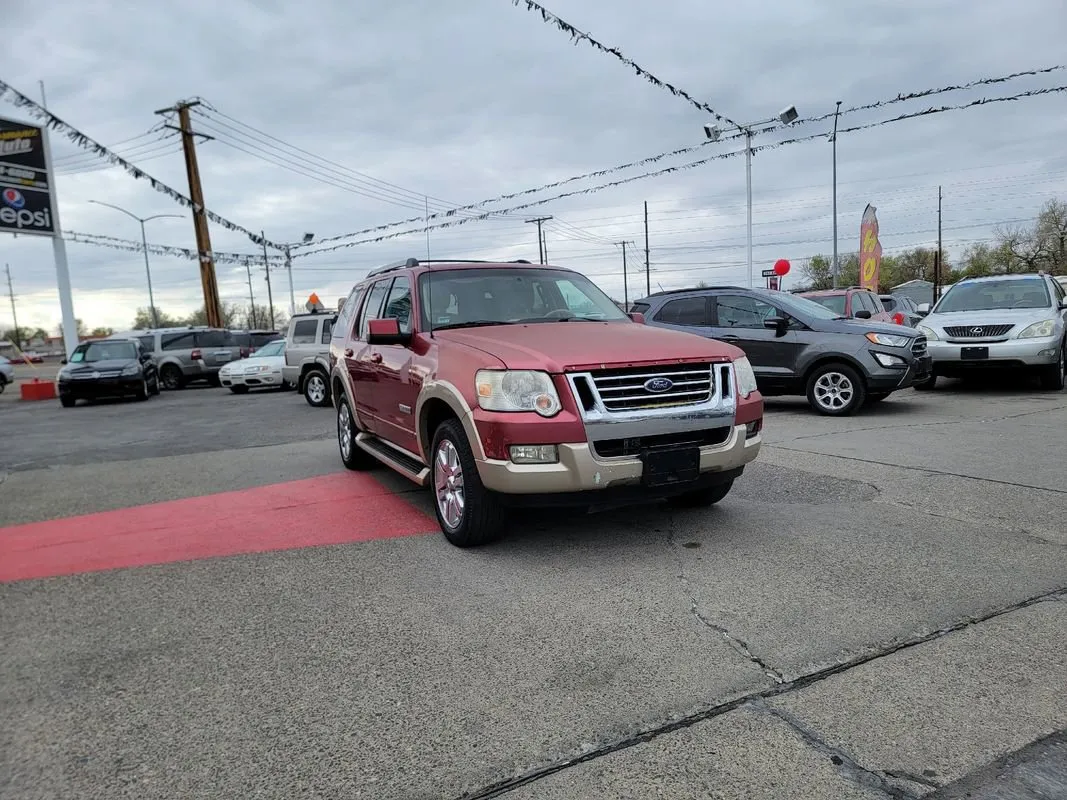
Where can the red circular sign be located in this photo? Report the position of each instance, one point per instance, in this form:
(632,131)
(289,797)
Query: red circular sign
(781,267)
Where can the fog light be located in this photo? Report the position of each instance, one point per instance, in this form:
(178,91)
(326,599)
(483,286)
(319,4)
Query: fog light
(752,428)
(534,453)
(887,360)
(1052,352)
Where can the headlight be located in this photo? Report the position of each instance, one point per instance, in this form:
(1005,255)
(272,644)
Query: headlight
(133,369)
(888,339)
(746,378)
(1039,330)
(254,370)
(517,390)
(927,332)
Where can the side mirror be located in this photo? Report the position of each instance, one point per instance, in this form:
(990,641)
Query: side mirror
(637,317)
(862,314)
(63,361)
(922,309)
(1063,303)
(386,331)
(777,324)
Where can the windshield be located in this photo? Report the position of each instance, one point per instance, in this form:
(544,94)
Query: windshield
(812,307)
(995,295)
(272,349)
(104,351)
(834,302)
(467,297)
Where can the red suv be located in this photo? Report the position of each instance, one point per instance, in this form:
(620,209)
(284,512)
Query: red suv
(854,303)
(502,385)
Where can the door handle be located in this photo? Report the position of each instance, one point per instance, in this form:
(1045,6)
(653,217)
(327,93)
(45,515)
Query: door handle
(728,338)
(376,358)
(348,352)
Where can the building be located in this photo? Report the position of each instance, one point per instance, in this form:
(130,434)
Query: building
(918,291)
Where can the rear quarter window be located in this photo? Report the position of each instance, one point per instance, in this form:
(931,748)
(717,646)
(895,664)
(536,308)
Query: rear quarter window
(305,331)
(213,339)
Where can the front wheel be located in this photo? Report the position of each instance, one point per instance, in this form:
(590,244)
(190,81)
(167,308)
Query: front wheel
(239,389)
(836,390)
(702,498)
(67,401)
(153,387)
(926,384)
(3,384)
(1052,378)
(468,513)
(142,391)
(316,391)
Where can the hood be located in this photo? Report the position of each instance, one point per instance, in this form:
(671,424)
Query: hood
(861,326)
(1003,316)
(572,346)
(242,364)
(108,365)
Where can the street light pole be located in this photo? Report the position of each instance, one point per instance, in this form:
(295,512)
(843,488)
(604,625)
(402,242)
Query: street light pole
(144,247)
(834,140)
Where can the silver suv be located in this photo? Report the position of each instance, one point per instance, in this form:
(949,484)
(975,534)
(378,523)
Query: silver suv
(307,356)
(187,354)
(996,322)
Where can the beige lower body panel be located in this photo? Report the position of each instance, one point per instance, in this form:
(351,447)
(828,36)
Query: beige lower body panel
(579,469)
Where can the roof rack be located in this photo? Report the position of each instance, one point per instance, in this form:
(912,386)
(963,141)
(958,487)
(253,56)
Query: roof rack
(692,289)
(414,262)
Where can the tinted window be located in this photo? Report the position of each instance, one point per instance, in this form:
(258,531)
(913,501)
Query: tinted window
(241,338)
(398,305)
(344,319)
(213,339)
(304,331)
(889,303)
(740,311)
(104,351)
(372,306)
(684,311)
(875,303)
(260,339)
(834,302)
(177,341)
(639,308)
(327,327)
(1057,289)
(148,343)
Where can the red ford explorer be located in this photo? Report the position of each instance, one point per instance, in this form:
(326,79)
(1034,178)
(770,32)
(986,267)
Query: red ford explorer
(509,385)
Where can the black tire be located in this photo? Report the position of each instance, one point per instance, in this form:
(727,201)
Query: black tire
(702,498)
(482,516)
(172,377)
(848,396)
(352,456)
(316,388)
(877,398)
(3,384)
(1052,378)
(927,384)
(153,387)
(239,389)
(142,391)
(67,402)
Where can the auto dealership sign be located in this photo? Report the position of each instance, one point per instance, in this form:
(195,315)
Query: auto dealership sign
(26,191)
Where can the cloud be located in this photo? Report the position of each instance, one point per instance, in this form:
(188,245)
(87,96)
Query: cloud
(466,101)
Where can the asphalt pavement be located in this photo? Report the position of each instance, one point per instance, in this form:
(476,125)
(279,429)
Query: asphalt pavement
(199,602)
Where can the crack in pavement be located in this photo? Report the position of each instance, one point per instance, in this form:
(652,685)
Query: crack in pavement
(846,764)
(505,785)
(1022,532)
(925,470)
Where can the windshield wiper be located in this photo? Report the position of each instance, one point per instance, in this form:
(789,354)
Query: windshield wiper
(474,323)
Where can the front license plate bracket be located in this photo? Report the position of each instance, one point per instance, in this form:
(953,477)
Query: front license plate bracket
(669,466)
(974,353)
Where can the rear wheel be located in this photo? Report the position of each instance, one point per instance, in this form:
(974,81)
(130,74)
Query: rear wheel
(468,513)
(172,377)
(352,455)
(835,390)
(702,498)
(1052,378)
(239,389)
(316,390)
(3,384)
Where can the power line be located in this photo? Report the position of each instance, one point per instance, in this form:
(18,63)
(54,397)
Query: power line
(132,245)
(577,35)
(680,167)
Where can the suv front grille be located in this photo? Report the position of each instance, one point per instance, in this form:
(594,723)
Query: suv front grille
(976,331)
(918,347)
(628,389)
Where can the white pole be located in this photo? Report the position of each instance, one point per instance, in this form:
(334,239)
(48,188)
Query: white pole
(59,251)
(748,181)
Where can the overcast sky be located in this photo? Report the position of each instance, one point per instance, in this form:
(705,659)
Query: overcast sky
(466,101)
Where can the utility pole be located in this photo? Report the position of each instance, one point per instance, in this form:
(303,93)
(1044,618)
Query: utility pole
(937,260)
(648,267)
(289,269)
(266,268)
(625,283)
(251,295)
(14,316)
(748,190)
(544,247)
(212,305)
(426,201)
(540,240)
(833,139)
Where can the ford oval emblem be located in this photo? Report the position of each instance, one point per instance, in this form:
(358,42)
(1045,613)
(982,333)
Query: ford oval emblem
(658,385)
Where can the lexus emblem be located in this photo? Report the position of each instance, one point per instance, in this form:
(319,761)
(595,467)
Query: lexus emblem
(976,331)
(658,385)
(96,375)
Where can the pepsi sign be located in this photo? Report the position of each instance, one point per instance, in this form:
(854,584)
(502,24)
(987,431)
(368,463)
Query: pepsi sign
(25,188)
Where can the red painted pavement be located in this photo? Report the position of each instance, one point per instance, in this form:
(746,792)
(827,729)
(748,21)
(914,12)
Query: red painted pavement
(333,509)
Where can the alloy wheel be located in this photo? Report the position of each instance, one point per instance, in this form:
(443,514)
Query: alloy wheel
(834,391)
(448,482)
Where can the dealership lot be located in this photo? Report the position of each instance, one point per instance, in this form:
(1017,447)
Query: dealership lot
(877,608)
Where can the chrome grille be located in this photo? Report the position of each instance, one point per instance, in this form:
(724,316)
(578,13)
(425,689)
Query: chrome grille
(976,331)
(629,389)
(918,346)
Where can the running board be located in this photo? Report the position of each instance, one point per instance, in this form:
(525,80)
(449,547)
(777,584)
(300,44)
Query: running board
(401,462)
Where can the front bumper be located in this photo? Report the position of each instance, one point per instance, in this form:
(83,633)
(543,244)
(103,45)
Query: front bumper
(889,379)
(254,380)
(101,387)
(949,356)
(579,469)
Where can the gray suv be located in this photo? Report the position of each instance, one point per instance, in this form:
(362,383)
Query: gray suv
(307,356)
(996,322)
(797,346)
(187,354)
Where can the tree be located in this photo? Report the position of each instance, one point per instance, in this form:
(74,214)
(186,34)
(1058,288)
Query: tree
(819,271)
(1050,231)
(259,317)
(80,329)
(102,332)
(143,319)
(229,315)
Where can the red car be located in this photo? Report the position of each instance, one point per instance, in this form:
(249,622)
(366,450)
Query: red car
(854,303)
(503,385)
